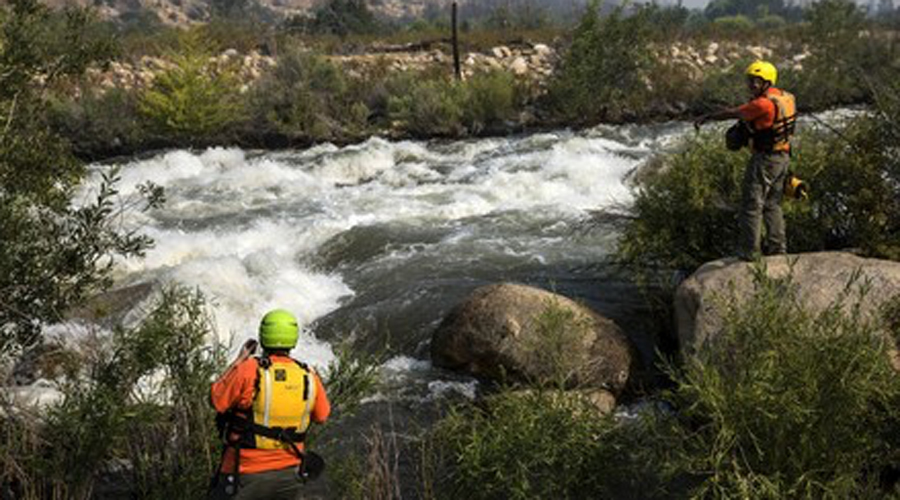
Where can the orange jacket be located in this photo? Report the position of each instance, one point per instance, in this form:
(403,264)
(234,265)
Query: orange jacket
(761,113)
(236,389)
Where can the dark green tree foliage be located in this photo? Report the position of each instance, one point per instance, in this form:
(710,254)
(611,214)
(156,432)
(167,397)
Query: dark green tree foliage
(603,74)
(53,253)
(843,52)
(344,17)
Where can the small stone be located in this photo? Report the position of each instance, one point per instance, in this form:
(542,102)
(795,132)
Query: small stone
(519,66)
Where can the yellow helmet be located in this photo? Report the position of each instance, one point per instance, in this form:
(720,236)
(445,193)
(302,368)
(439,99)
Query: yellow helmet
(764,70)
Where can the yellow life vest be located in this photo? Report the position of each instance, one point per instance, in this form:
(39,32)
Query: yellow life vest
(778,137)
(282,406)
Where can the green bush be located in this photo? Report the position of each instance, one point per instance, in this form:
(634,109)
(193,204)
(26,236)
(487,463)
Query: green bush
(602,76)
(784,402)
(339,17)
(492,98)
(432,104)
(771,22)
(307,96)
(841,56)
(854,201)
(685,209)
(142,397)
(430,107)
(192,100)
(532,445)
(738,24)
(100,123)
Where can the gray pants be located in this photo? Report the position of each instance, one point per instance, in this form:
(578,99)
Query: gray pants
(763,190)
(270,485)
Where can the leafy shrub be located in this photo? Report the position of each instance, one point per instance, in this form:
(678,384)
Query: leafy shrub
(339,17)
(771,22)
(100,123)
(559,332)
(533,445)
(686,203)
(53,253)
(739,24)
(784,403)
(54,259)
(431,107)
(432,104)
(143,397)
(854,203)
(685,208)
(491,98)
(541,444)
(841,55)
(191,100)
(603,74)
(307,96)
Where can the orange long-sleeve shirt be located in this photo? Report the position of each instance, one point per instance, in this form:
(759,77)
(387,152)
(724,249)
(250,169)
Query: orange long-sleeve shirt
(760,111)
(236,390)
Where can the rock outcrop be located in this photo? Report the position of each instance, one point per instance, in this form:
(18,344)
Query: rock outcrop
(533,63)
(821,279)
(527,334)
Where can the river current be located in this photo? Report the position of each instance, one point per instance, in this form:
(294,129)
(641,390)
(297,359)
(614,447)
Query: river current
(374,243)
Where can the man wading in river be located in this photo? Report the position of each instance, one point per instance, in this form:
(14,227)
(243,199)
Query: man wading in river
(265,404)
(766,124)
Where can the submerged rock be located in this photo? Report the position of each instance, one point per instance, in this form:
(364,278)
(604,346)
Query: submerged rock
(820,279)
(520,333)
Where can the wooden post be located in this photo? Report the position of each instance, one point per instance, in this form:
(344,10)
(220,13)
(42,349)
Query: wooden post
(456,69)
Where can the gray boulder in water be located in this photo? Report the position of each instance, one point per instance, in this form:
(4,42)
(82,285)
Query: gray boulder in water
(524,334)
(820,279)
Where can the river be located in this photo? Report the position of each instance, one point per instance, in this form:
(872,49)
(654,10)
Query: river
(372,244)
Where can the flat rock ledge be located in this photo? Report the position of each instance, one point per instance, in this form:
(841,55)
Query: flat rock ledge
(820,279)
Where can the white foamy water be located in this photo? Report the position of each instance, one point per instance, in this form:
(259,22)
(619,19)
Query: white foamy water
(243,227)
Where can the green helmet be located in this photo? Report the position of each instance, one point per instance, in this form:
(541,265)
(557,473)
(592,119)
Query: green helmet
(278,330)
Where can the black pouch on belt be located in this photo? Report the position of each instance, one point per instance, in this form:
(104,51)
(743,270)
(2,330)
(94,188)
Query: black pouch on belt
(737,136)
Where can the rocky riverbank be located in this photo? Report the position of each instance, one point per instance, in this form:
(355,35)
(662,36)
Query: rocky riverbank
(533,63)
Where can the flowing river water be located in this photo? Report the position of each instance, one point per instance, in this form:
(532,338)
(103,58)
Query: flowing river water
(374,243)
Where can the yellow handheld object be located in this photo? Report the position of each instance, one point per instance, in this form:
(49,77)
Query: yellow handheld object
(795,188)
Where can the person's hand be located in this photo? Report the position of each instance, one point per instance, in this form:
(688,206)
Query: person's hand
(247,350)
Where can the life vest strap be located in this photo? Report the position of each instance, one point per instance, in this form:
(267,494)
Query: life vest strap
(285,434)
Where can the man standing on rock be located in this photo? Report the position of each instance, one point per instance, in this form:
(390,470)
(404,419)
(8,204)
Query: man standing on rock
(265,405)
(768,119)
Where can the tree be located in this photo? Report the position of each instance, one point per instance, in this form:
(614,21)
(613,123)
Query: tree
(344,17)
(53,252)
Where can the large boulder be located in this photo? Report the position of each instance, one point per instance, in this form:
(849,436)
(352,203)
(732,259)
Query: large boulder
(820,280)
(521,333)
